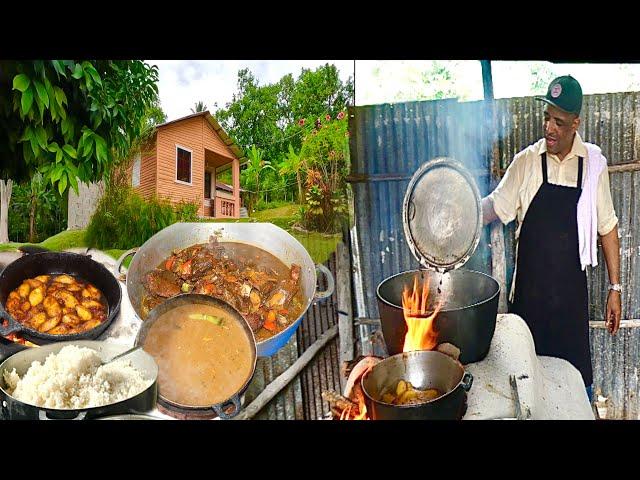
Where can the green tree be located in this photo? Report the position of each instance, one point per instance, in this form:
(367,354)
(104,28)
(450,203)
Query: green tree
(325,152)
(273,116)
(199,107)
(292,164)
(71,119)
(256,166)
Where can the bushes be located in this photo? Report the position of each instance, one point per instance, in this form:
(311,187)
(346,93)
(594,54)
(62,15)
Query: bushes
(123,219)
(50,211)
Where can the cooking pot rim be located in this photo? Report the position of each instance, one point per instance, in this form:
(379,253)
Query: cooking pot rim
(207,300)
(78,343)
(442,310)
(413,353)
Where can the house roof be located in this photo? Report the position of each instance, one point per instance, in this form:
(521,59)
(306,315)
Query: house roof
(237,151)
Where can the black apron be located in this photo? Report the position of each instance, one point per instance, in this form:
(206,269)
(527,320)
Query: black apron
(551,288)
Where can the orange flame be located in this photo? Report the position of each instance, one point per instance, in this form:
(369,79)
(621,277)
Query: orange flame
(420,333)
(363,410)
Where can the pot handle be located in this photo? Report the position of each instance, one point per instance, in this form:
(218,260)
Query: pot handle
(467,381)
(221,407)
(116,269)
(44,415)
(331,284)
(13,326)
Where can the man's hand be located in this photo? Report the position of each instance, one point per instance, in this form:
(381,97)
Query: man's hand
(614,312)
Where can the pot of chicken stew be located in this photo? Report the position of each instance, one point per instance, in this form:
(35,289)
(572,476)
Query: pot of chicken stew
(259,269)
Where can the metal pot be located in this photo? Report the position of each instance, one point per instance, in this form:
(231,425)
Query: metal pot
(262,235)
(467,318)
(51,263)
(424,369)
(13,409)
(228,408)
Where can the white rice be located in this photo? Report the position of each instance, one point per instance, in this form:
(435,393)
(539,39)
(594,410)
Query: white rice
(73,378)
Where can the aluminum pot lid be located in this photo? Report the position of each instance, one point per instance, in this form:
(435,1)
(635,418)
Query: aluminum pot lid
(442,214)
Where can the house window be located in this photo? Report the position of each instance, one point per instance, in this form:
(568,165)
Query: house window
(136,171)
(207,184)
(183,165)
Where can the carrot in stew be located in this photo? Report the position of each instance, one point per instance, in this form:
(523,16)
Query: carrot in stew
(169,263)
(270,321)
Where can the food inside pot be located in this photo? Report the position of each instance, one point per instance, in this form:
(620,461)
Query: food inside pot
(57,304)
(404,393)
(261,287)
(75,378)
(204,354)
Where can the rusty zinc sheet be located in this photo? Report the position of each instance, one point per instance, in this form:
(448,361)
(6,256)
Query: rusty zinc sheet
(388,144)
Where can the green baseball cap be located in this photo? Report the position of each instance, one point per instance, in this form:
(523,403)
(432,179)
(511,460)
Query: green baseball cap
(565,93)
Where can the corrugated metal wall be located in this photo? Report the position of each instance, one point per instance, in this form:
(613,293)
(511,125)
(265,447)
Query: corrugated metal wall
(397,139)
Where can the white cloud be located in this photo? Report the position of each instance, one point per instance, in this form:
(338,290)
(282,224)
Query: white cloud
(185,82)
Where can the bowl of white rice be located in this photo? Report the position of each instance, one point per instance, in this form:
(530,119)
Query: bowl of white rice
(69,380)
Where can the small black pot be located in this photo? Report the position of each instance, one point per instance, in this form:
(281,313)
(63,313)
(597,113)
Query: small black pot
(13,409)
(424,369)
(228,408)
(53,263)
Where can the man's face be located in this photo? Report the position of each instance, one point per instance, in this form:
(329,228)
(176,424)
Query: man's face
(559,128)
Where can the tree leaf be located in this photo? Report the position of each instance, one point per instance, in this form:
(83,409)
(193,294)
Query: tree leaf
(74,183)
(69,150)
(78,73)
(61,98)
(26,101)
(42,93)
(101,148)
(42,138)
(53,147)
(59,67)
(21,82)
(56,172)
(88,144)
(59,156)
(62,184)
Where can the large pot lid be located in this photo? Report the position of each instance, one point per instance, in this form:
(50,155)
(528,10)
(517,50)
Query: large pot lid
(442,214)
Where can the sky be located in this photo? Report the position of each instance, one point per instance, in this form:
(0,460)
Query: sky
(185,82)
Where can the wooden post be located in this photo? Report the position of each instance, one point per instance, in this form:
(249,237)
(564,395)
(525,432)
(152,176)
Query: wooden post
(499,264)
(5,198)
(498,257)
(345,314)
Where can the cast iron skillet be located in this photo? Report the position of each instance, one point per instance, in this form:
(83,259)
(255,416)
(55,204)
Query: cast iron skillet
(50,263)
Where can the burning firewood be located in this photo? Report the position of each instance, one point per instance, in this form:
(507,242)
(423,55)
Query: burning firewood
(341,407)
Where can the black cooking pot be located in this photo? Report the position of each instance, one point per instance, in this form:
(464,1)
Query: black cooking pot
(226,409)
(425,370)
(13,409)
(52,263)
(467,318)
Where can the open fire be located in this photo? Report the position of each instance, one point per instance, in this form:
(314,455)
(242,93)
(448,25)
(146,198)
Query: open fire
(421,335)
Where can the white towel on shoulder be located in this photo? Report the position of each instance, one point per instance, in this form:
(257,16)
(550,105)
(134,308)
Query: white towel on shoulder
(587,208)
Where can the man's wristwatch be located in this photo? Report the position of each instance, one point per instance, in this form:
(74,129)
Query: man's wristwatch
(615,286)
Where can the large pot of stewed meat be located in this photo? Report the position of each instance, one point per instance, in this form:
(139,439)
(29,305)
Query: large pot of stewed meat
(259,269)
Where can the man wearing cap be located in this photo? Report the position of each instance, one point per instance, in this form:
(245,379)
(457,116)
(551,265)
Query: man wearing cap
(558,189)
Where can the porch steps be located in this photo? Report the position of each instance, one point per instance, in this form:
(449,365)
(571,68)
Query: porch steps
(243,212)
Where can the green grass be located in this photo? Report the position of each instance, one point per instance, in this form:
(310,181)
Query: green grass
(319,246)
